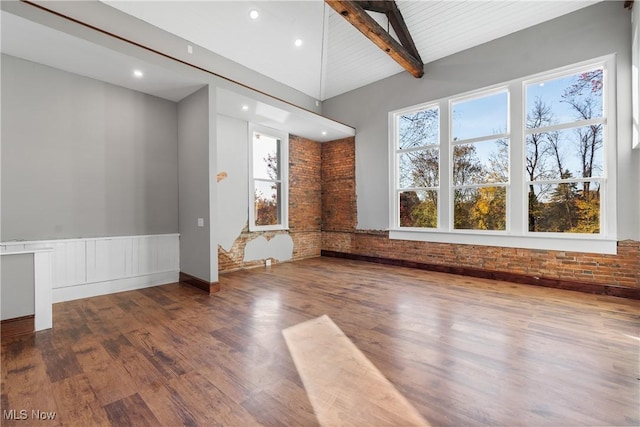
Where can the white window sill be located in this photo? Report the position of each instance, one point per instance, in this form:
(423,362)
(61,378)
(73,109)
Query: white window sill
(575,243)
(268,228)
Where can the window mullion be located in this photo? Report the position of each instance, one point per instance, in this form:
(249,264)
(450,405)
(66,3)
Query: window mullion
(517,194)
(569,125)
(445,207)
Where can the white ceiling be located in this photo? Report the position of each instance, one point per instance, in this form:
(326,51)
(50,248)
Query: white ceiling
(38,43)
(335,57)
(41,44)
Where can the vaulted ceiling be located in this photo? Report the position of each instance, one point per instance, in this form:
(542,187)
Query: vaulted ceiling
(333,57)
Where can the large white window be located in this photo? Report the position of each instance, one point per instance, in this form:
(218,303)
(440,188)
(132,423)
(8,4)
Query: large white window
(565,135)
(529,163)
(417,155)
(479,139)
(268,179)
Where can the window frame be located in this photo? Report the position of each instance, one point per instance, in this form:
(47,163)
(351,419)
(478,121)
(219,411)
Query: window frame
(283,165)
(471,96)
(516,234)
(395,153)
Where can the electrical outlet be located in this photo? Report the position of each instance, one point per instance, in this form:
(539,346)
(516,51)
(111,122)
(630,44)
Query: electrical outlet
(189,48)
(200,222)
(267,263)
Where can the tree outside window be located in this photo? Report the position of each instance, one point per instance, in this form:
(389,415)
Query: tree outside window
(480,163)
(418,159)
(565,127)
(268,179)
(526,158)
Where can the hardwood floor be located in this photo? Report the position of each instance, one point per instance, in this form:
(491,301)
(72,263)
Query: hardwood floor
(462,351)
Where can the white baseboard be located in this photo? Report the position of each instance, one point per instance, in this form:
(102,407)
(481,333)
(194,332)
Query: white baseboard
(87,290)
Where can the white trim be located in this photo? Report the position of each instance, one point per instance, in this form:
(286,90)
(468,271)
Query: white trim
(79,239)
(22,251)
(566,126)
(483,185)
(486,138)
(88,290)
(283,165)
(43,297)
(565,181)
(468,237)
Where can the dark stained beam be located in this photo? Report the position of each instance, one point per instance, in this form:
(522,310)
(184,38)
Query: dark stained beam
(390,9)
(400,27)
(628,4)
(380,6)
(359,18)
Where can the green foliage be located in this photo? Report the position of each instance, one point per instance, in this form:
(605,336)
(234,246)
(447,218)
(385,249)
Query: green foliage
(266,209)
(417,213)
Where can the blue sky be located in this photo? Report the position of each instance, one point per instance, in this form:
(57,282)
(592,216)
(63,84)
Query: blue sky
(488,116)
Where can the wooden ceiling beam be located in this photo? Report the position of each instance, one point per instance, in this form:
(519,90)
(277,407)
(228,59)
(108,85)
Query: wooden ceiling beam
(400,27)
(380,6)
(355,14)
(628,4)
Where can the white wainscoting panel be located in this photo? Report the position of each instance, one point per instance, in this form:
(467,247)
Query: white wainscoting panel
(96,266)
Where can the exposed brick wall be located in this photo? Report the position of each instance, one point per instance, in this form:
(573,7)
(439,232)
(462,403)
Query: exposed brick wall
(306,244)
(305,213)
(339,235)
(339,185)
(622,269)
(305,181)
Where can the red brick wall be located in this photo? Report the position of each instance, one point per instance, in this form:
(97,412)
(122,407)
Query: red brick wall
(305,212)
(339,234)
(339,185)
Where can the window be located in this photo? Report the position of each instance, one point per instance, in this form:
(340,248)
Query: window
(480,166)
(268,170)
(418,157)
(528,163)
(565,128)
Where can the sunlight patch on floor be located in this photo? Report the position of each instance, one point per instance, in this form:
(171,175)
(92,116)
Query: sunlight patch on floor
(343,386)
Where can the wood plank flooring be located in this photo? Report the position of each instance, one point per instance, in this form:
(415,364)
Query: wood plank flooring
(462,351)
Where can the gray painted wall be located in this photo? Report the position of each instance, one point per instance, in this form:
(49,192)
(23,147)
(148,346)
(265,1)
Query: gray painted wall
(194,183)
(83,158)
(588,33)
(17,293)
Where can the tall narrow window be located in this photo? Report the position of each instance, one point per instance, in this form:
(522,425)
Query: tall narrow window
(480,161)
(418,159)
(565,128)
(268,149)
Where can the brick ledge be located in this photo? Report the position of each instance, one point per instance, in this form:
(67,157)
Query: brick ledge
(591,288)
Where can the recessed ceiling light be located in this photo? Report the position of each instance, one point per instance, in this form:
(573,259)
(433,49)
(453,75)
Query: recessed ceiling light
(245,107)
(138,73)
(298,42)
(324,132)
(254,14)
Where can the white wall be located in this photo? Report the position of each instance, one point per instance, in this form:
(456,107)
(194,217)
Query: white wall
(233,189)
(592,32)
(233,195)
